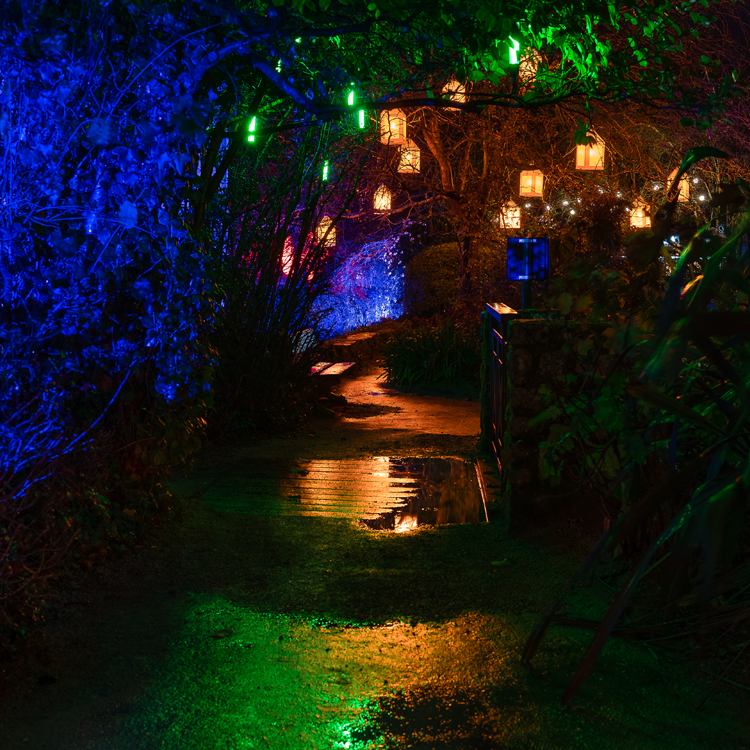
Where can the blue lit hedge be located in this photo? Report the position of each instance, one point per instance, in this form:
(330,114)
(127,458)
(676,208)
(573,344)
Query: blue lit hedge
(99,275)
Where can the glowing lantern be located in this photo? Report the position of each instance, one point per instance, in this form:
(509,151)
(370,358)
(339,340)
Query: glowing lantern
(590,156)
(326,232)
(684,194)
(382,199)
(639,215)
(409,158)
(393,127)
(325,171)
(251,130)
(532,182)
(528,67)
(455,91)
(510,215)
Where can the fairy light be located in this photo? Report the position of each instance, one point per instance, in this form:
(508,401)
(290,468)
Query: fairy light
(695,180)
(572,210)
(701,197)
(565,203)
(527,205)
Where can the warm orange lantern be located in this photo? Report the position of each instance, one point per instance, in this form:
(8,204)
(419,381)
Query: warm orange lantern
(639,215)
(393,127)
(510,215)
(409,158)
(326,232)
(684,194)
(590,156)
(382,201)
(455,91)
(528,67)
(531,184)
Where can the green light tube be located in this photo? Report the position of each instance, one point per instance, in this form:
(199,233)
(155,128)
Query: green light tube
(513,51)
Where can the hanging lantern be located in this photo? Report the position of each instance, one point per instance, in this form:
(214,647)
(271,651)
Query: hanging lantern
(393,127)
(684,194)
(408,161)
(382,201)
(510,215)
(639,215)
(326,232)
(528,67)
(531,184)
(454,91)
(590,156)
(325,171)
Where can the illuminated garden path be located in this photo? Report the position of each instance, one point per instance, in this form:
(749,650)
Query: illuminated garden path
(288,632)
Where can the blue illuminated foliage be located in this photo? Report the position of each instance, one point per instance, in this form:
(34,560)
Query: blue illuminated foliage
(366,287)
(99,274)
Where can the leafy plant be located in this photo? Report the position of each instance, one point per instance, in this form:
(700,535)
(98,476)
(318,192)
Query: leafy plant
(421,354)
(691,403)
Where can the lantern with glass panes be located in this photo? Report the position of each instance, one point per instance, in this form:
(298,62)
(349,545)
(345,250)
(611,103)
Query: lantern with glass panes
(454,91)
(326,232)
(408,160)
(528,67)
(393,127)
(684,194)
(639,215)
(531,183)
(590,155)
(510,215)
(382,199)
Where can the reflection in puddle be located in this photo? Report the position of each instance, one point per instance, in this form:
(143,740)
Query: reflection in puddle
(398,494)
(446,490)
(430,718)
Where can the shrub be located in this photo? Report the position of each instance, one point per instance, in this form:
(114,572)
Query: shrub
(431,281)
(422,354)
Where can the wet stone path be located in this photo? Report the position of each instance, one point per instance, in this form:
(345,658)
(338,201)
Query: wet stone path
(279,608)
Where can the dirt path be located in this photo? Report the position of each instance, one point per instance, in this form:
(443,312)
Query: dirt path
(250,631)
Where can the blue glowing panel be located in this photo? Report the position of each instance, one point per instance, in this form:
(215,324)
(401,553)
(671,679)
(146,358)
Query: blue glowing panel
(528,258)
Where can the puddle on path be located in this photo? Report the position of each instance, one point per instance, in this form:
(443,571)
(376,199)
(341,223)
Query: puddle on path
(383,492)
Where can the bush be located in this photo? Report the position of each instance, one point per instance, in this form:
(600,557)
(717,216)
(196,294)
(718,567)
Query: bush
(431,281)
(421,354)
